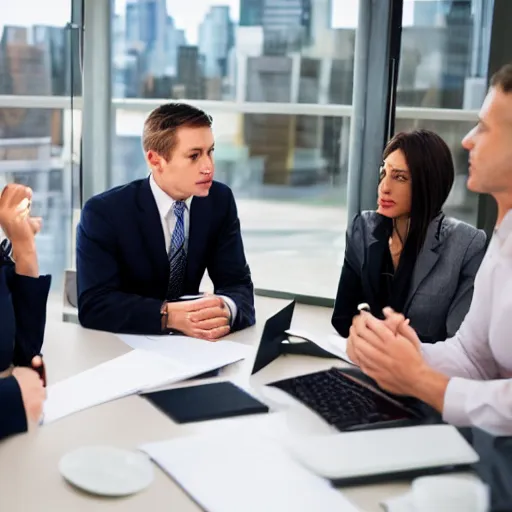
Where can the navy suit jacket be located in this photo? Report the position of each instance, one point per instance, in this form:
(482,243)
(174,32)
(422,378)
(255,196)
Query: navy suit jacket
(22,322)
(122,263)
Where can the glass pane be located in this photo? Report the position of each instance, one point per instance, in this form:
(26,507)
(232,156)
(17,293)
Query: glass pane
(34,147)
(288,172)
(289,179)
(35,56)
(39,144)
(443,65)
(248,50)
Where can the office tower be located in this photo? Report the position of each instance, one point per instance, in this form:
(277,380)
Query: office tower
(146,31)
(429,13)
(132,24)
(14,35)
(321,32)
(190,81)
(286,25)
(215,40)
(54,43)
(436,54)
(251,13)
(175,39)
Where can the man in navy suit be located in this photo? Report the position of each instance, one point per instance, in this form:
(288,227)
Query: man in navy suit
(143,246)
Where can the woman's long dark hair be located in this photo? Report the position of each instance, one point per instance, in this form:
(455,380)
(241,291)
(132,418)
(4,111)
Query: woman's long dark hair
(432,173)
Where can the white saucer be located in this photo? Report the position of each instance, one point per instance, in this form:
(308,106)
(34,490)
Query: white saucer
(107,471)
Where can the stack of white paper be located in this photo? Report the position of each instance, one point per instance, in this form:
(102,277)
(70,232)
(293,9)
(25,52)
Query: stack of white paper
(193,352)
(119,377)
(230,473)
(155,361)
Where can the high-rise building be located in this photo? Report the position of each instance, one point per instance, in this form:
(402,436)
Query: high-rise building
(24,70)
(14,35)
(190,81)
(437,54)
(286,25)
(251,13)
(215,40)
(146,30)
(53,41)
(175,39)
(429,13)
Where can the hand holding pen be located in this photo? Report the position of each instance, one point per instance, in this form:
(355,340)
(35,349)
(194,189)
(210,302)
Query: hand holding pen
(39,367)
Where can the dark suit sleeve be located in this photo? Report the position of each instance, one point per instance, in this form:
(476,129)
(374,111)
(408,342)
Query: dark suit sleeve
(350,292)
(464,294)
(101,303)
(29,298)
(12,413)
(229,271)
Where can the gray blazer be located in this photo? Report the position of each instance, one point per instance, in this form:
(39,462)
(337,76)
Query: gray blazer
(441,287)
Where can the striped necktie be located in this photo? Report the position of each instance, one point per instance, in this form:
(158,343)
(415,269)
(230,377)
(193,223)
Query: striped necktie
(177,253)
(6,250)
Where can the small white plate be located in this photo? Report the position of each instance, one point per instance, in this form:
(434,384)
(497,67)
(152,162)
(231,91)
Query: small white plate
(107,471)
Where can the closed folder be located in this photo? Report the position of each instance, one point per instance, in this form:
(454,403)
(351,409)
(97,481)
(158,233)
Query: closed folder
(205,402)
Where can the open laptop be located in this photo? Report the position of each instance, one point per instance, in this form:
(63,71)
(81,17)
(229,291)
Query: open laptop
(344,397)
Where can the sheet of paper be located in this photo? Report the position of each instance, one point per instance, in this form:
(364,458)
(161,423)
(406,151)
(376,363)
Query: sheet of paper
(119,377)
(332,343)
(197,354)
(230,473)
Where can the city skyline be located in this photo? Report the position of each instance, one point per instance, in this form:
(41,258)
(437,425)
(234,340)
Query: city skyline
(29,13)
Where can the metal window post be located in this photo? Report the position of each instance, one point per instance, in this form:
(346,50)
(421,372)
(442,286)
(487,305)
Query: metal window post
(372,82)
(97,97)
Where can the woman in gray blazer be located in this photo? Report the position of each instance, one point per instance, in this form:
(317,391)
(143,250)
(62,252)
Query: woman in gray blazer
(408,255)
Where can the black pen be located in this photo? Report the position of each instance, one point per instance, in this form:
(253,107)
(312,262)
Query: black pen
(41,370)
(364,307)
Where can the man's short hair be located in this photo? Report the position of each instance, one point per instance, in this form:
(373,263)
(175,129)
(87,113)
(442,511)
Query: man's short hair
(161,125)
(503,79)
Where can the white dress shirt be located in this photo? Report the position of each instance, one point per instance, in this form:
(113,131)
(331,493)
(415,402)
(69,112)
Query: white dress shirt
(479,356)
(165,203)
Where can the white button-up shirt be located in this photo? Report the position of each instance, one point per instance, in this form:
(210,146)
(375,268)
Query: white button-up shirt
(479,356)
(165,203)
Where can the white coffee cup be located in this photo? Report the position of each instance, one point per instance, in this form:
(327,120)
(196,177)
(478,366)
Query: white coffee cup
(450,494)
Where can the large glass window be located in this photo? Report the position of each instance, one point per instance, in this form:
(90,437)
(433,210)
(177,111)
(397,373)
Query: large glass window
(39,130)
(443,78)
(277,77)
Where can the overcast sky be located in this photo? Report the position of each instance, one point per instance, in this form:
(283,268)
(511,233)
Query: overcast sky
(57,12)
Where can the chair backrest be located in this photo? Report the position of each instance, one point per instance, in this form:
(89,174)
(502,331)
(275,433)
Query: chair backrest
(70,292)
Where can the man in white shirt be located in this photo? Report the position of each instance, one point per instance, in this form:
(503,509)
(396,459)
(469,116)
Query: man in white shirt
(468,378)
(144,247)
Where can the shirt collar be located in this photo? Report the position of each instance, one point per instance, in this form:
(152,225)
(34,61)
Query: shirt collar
(505,227)
(163,201)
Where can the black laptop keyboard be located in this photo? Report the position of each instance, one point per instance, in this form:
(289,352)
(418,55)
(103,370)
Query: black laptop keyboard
(340,401)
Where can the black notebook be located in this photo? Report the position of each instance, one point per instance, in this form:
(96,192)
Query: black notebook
(205,402)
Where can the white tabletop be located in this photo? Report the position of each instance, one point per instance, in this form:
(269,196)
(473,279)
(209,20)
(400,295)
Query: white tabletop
(29,476)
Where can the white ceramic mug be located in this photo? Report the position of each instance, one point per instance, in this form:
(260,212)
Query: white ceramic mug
(450,494)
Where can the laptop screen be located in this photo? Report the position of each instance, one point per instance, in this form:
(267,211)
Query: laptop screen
(272,337)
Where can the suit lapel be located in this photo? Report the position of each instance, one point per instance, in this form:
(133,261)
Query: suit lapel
(427,258)
(377,244)
(199,227)
(150,227)
(374,266)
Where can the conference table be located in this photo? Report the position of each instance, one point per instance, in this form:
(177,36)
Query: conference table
(29,475)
